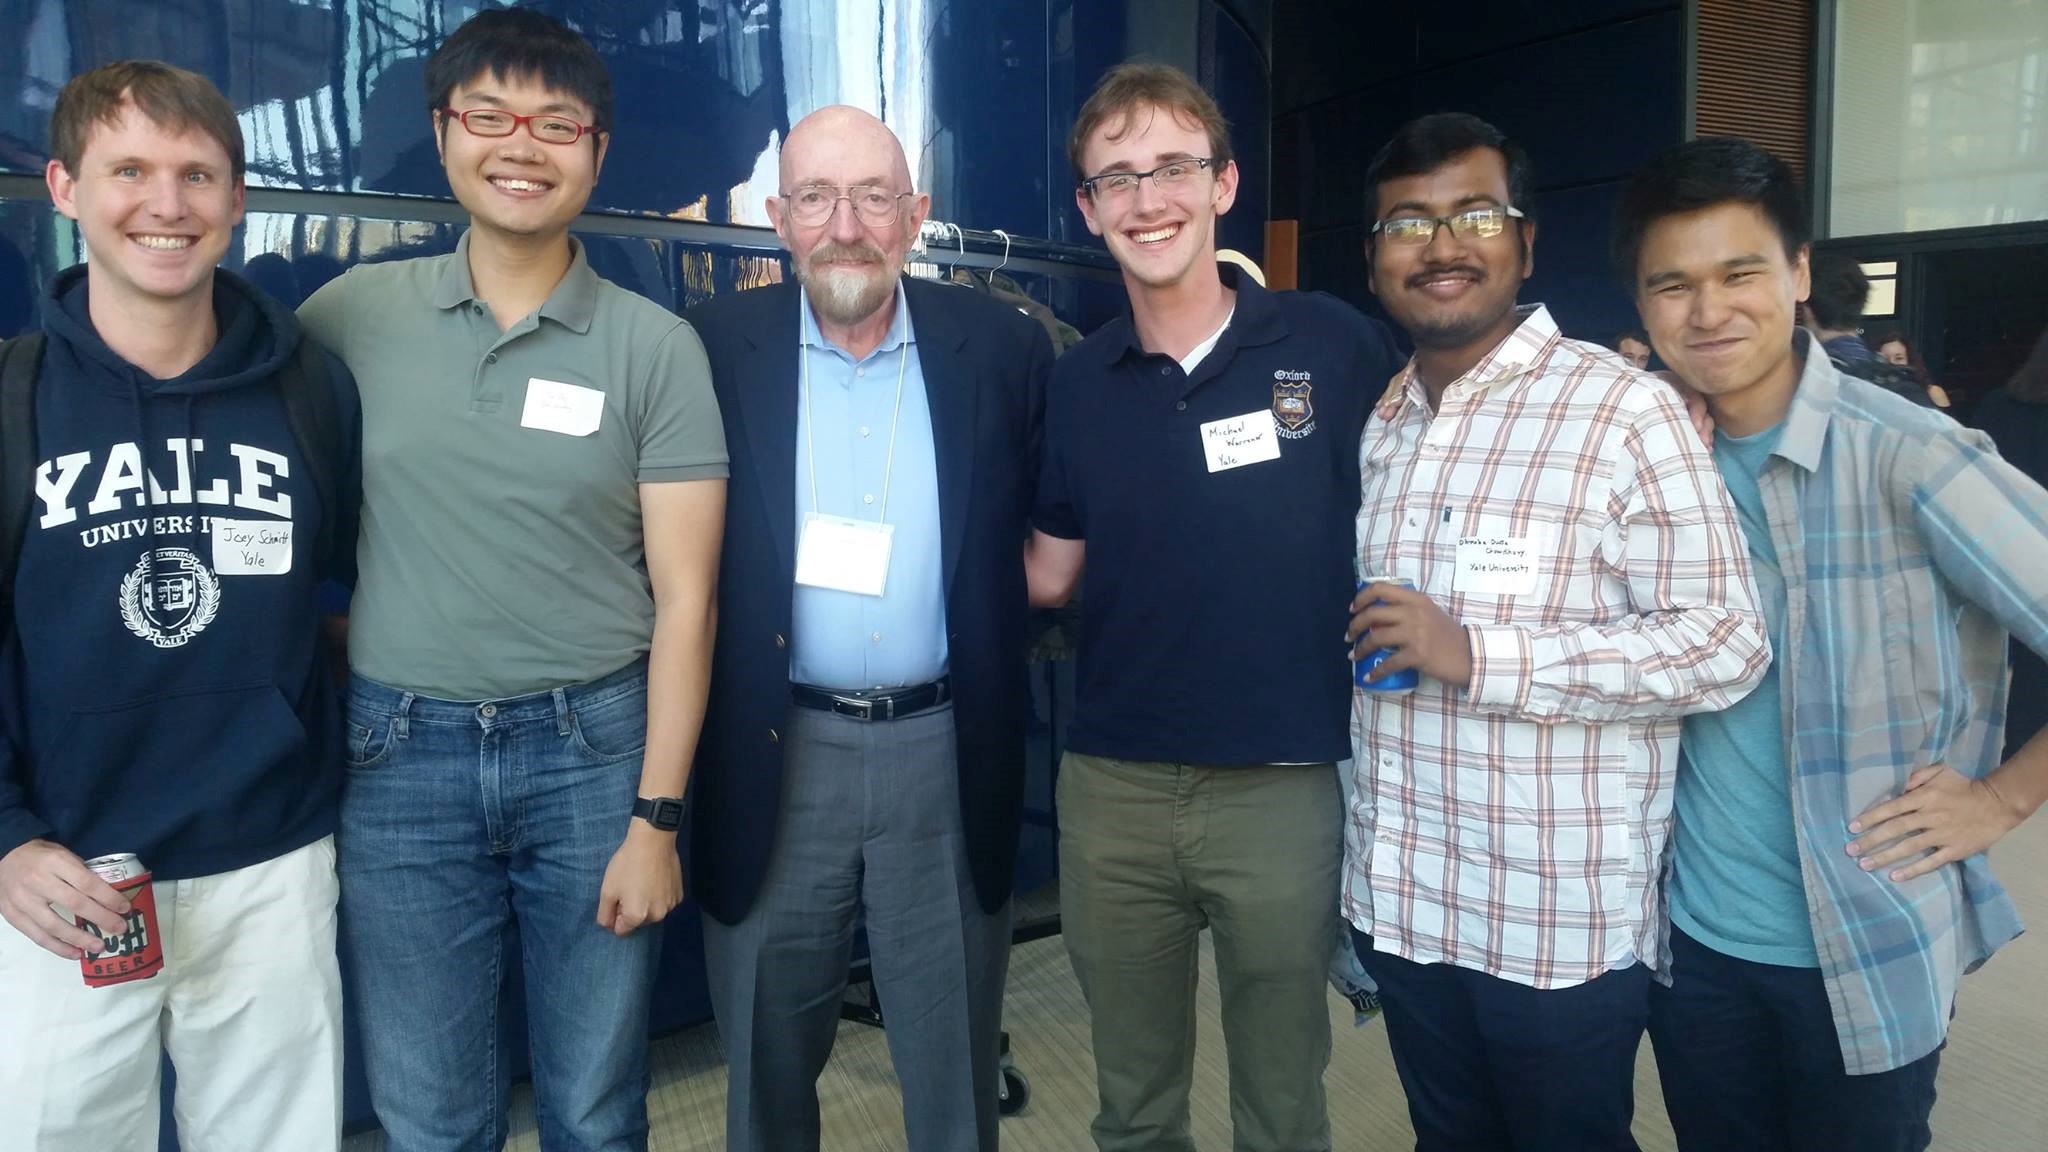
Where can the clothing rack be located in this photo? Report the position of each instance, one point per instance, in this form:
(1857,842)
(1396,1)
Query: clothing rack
(942,246)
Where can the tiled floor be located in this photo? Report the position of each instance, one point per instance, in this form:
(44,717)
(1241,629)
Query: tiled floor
(1992,1076)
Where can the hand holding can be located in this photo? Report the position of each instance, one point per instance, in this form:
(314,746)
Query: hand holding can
(1397,683)
(138,952)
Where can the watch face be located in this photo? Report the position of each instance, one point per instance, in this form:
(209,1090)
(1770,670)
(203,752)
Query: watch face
(665,812)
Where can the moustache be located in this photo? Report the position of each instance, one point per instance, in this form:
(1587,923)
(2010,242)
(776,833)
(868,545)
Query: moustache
(1417,279)
(864,252)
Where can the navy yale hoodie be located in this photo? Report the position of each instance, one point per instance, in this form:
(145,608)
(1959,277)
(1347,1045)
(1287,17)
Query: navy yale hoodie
(166,687)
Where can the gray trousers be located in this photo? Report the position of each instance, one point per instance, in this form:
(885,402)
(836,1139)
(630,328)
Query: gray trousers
(870,823)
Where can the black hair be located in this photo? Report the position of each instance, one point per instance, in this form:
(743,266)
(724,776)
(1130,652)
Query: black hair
(1635,334)
(1701,174)
(521,44)
(1429,142)
(1840,290)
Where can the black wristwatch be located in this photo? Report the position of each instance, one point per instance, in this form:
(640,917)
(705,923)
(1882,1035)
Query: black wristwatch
(664,812)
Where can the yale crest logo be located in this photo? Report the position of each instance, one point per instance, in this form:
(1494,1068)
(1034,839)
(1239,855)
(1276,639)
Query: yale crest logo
(169,597)
(1294,410)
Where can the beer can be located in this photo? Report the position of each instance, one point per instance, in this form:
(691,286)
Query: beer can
(1400,682)
(138,952)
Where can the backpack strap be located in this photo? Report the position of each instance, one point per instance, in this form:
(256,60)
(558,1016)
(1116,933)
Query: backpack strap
(308,393)
(20,360)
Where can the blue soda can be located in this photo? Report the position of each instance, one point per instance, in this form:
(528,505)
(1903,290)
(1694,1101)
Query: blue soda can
(1400,682)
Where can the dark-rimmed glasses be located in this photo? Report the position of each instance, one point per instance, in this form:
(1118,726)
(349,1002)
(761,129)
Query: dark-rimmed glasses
(546,127)
(1483,223)
(813,204)
(1114,185)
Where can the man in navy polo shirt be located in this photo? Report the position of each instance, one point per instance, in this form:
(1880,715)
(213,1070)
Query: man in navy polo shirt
(1202,452)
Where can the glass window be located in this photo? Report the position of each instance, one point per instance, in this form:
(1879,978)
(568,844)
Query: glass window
(1940,115)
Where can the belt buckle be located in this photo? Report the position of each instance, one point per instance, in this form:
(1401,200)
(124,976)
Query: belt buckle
(854,706)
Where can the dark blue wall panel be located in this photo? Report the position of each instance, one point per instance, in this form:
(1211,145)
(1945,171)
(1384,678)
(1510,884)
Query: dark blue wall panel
(1590,88)
(332,100)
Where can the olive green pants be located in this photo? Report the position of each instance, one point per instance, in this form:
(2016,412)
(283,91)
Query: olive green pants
(1150,854)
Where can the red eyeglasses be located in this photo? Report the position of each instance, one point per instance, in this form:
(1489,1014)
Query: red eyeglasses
(546,127)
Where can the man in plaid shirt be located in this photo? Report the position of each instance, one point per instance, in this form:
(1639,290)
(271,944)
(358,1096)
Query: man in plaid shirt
(1829,883)
(1579,585)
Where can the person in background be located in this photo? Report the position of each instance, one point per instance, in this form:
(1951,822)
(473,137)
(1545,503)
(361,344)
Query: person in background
(1894,349)
(1833,312)
(1834,307)
(1634,348)
(2016,419)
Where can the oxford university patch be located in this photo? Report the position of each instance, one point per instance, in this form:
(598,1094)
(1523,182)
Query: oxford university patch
(1294,410)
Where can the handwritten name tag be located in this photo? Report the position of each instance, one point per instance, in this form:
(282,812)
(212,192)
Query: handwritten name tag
(570,409)
(252,547)
(1240,440)
(1496,565)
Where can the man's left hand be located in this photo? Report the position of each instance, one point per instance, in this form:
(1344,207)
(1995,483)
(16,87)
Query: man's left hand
(643,882)
(1426,638)
(1942,813)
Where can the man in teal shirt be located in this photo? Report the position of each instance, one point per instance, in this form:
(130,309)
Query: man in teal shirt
(1829,883)
(1734,882)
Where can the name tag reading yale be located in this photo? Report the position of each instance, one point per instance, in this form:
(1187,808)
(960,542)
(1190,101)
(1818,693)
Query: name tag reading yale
(252,547)
(844,554)
(570,409)
(1496,565)
(1240,440)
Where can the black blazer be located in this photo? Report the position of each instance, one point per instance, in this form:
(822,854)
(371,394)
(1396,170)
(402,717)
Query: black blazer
(985,367)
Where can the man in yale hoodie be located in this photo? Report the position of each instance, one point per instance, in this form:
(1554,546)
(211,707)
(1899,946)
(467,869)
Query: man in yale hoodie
(163,677)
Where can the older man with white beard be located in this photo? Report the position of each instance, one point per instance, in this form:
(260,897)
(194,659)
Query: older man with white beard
(864,751)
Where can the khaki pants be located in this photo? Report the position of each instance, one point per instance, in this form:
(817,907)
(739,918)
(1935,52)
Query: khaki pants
(248,1004)
(1150,854)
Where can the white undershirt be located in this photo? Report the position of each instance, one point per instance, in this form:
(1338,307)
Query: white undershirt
(1195,356)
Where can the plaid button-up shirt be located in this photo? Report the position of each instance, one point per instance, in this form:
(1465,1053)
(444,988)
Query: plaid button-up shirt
(1518,826)
(1909,549)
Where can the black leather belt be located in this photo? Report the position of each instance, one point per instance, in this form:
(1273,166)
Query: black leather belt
(875,704)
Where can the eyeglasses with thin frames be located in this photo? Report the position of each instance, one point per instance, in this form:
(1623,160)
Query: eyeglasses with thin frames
(1116,185)
(494,123)
(813,204)
(1482,223)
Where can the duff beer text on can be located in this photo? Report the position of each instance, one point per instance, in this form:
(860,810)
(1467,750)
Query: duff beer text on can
(137,953)
(1403,681)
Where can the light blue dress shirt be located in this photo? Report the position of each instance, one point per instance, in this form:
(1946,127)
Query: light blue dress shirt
(842,639)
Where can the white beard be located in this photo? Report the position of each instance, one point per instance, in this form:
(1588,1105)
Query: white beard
(845,296)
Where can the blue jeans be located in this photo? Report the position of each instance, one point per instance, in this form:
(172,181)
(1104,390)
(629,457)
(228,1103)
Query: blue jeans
(1491,1065)
(461,818)
(1750,1062)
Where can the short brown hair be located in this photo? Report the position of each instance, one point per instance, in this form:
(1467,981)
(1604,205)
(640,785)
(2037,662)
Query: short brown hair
(174,99)
(1127,88)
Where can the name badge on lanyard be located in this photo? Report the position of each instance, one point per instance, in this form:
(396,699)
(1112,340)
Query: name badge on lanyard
(844,554)
(840,552)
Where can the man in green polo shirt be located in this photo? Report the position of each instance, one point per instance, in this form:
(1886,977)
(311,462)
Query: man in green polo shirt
(543,498)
